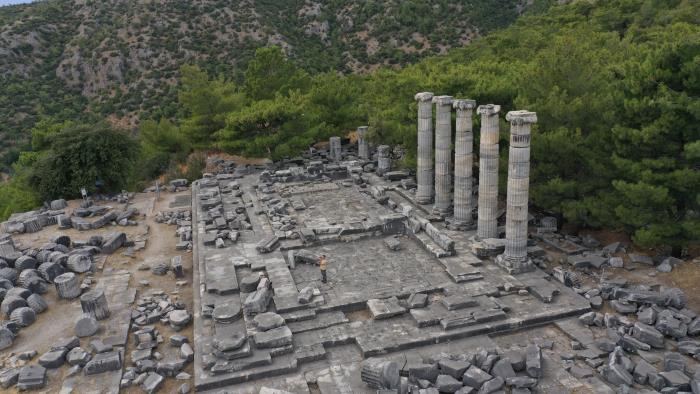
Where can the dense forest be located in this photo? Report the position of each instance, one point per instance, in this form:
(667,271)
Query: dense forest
(615,84)
(120,60)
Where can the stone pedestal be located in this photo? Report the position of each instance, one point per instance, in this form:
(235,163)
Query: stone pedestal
(424,168)
(514,259)
(488,172)
(362,143)
(443,149)
(383,159)
(464,141)
(335,149)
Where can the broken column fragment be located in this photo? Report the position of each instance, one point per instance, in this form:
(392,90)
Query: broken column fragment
(335,149)
(94,303)
(383,159)
(380,373)
(67,285)
(362,143)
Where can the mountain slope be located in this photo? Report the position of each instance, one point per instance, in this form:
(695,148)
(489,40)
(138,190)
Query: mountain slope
(120,59)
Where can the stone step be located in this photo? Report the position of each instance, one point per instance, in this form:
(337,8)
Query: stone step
(431,246)
(322,320)
(256,360)
(307,354)
(259,372)
(471,318)
(297,316)
(385,308)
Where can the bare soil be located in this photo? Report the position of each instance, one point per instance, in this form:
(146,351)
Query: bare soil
(58,321)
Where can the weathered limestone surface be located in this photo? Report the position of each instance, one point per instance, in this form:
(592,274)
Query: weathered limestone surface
(362,143)
(464,141)
(335,149)
(488,172)
(515,259)
(383,159)
(349,222)
(424,169)
(443,146)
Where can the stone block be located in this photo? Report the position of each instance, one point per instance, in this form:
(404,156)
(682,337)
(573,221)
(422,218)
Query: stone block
(533,361)
(103,362)
(31,377)
(427,372)
(648,335)
(417,300)
(503,368)
(385,308)
(8,377)
(475,377)
(492,386)
(447,384)
(459,301)
(454,368)
(267,321)
(112,242)
(676,379)
(152,382)
(277,337)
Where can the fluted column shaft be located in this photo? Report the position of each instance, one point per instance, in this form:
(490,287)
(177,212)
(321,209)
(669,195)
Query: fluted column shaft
(464,141)
(518,185)
(487,224)
(362,144)
(443,149)
(424,167)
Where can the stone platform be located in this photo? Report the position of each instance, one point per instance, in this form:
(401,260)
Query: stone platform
(362,310)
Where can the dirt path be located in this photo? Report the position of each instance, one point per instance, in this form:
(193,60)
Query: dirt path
(161,247)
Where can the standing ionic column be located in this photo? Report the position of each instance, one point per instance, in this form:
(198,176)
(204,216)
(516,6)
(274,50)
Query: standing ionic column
(487,225)
(362,145)
(424,168)
(464,141)
(515,259)
(443,149)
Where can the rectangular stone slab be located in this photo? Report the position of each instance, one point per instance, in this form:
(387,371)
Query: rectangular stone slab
(385,308)
(459,301)
(277,337)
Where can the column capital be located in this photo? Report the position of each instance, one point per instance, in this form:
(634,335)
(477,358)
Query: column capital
(442,100)
(488,109)
(424,96)
(464,104)
(521,117)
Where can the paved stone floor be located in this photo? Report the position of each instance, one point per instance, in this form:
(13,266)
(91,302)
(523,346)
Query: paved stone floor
(366,269)
(342,206)
(469,298)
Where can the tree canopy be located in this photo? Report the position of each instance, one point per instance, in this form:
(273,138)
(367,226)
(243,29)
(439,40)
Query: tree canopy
(96,157)
(615,84)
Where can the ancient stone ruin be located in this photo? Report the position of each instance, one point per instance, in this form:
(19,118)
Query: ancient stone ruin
(432,286)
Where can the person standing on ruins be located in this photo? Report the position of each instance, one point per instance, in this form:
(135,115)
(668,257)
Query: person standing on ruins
(323,264)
